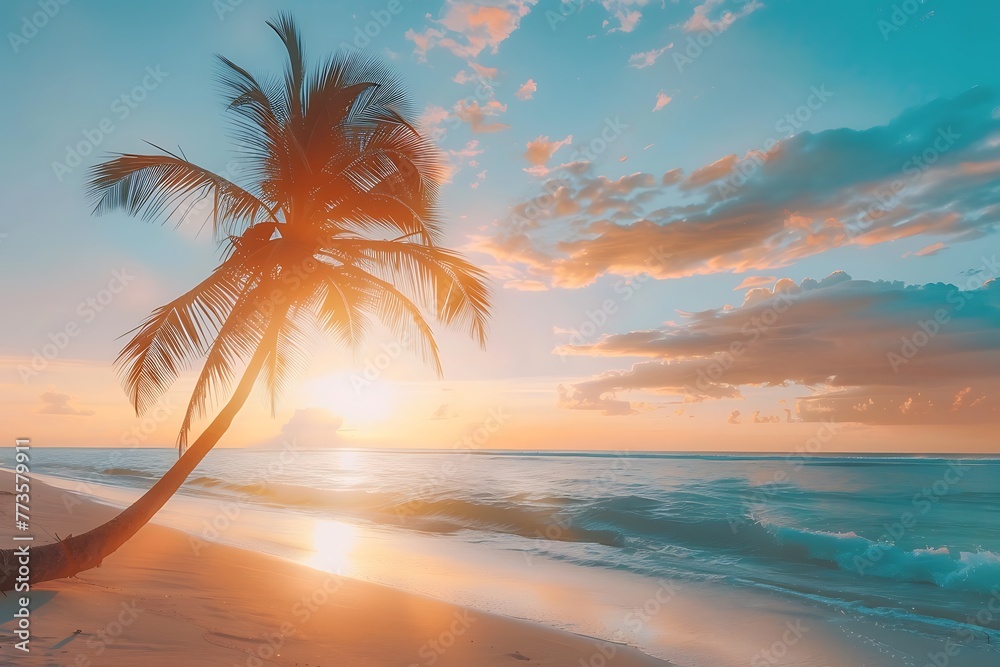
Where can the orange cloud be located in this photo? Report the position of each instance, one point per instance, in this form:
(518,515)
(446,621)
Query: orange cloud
(476,116)
(647,58)
(870,352)
(702,21)
(524,285)
(471,27)
(755,281)
(527,90)
(539,151)
(928,251)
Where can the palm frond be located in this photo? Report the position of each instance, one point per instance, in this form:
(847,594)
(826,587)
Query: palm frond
(288,356)
(166,185)
(443,280)
(342,312)
(236,340)
(400,315)
(174,336)
(295,67)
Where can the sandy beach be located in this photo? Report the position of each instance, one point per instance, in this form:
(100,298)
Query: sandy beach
(158,602)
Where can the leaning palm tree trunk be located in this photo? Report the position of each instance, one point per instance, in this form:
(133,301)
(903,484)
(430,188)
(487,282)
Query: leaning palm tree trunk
(78,553)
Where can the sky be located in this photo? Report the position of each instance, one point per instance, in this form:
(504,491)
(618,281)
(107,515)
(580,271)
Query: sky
(710,225)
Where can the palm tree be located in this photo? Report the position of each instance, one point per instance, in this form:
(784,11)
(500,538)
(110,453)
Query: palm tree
(338,229)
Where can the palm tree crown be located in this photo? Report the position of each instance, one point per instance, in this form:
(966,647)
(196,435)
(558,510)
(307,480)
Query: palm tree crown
(337,228)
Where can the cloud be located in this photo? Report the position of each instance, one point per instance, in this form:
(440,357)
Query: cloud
(467,27)
(702,21)
(574,399)
(525,285)
(673,176)
(755,281)
(662,100)
(468,152)
(870,352)
(539,151)
(311,428)
(646,58)
(432,120)
(711,173)
(55,403)
(423,41)
(928,251)
(934,171)
(527,90)
(457,159)
(479,73)
(476,116)
(480,177)
(443,411)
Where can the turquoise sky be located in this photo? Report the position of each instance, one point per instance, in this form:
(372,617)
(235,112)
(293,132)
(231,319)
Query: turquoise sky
(883,80)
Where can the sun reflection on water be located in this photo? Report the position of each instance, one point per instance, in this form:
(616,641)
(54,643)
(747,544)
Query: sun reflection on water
(333,542)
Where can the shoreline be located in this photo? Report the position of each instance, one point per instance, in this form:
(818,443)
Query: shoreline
(160,601)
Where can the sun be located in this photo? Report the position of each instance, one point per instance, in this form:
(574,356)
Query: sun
(360,402)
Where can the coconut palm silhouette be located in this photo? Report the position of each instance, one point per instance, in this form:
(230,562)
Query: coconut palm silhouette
(337,229)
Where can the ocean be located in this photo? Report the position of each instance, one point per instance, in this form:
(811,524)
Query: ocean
(894,560)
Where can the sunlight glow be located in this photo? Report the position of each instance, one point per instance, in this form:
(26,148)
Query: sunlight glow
(333,541)
(359,401)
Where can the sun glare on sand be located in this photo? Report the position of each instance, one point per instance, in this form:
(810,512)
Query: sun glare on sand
(333,542)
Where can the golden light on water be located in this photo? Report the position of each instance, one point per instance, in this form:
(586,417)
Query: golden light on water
(333,542)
